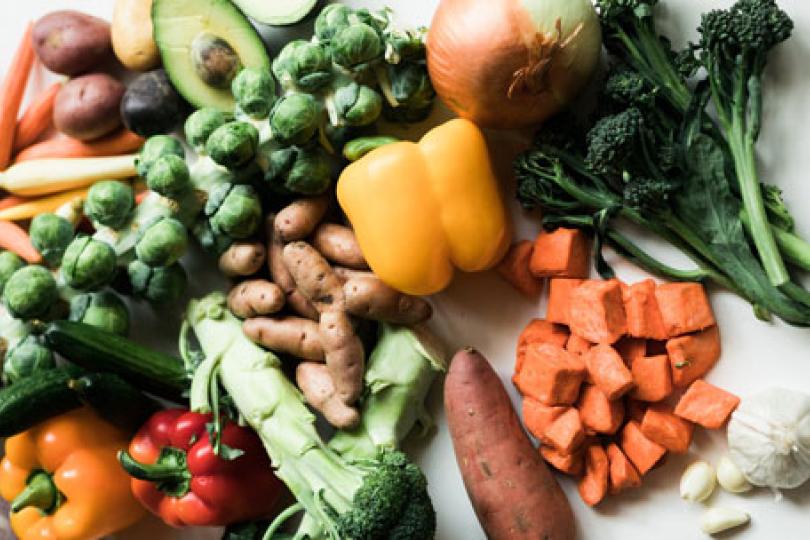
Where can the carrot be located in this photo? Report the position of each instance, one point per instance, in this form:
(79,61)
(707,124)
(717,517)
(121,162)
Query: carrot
(120,142)
(10,201)
(30,207)
(571,464)
(706,405)
(622,473)
(643,452)
(693,356)
(566,433)
(558,299)
(596,311)
(644,319)
(15,239)
(608,372)
(539,331)
(537,416)
(36,119)
(512,490)
(550,374)
(661,426)
(141,195)
(598,413)
(594,483)
(514,268)
(653,378)
(563,253)
(684,308)
(11,94)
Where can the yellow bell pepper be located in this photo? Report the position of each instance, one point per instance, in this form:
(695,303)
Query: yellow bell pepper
(64,481)
(422,210)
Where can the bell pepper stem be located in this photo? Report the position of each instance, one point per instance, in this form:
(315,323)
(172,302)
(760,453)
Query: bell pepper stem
(40,492)
(170,472)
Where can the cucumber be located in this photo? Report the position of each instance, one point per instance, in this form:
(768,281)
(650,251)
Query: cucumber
(97,350)
(35,399)
(115,400)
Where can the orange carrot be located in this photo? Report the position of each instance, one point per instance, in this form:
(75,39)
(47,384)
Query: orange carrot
(10,201)
(15,239)
(36,119)
(11,94)
(141,195)
(120,142)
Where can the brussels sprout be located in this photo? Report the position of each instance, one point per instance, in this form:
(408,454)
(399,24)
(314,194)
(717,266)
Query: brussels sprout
(103,310)
(201,124)
(214,60)
(298,170)
(50,235)
(26,358)
(357,105)
(88,264)
(156,147)
(234,210)
(161,285)
(304,65)
(357,47)
(404,46)
(255,92)
(9,263)
(413,91)
(233,144)
(295,119)
(162,242)
(335,17)
(109,203)
(169,176)
(211,241)
(30,292)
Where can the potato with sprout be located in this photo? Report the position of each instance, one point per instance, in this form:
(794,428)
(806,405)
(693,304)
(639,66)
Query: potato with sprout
(234,210)
(306,171)
(88,264)
(50,235)
(26,358)
(30,292)
(109,203)
(233,145)
(295,119)
(162,242)
(303,65)
(157,285)
(169,176)
(103,310)
(255,92)
(201,124)
(154,148)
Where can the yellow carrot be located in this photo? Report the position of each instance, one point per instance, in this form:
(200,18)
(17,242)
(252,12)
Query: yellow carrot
(50,203)
(46,176)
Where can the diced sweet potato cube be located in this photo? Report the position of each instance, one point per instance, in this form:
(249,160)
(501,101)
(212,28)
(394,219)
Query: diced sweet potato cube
(559,294)
(561,253)
(550,374)
(635,409)
(643,452)
(684,308)
(598,413)
(607,370)
(593,485)
(644,318)
(706,405)
(571,464)
(656,347)
(514,268)
(623,475)
(596,311)
(577,345)
(693,356)
(630,349)
(539,331)
(663,427)
(537,416)
(566,433)
(653,378)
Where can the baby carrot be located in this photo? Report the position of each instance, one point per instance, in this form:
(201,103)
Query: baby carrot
(11,94)
(36,119)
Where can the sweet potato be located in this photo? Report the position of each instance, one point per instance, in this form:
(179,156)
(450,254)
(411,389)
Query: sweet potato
(339,245)
(598,413)
(623,475)
(559,293)
(706,405)
(243,259)
(538,416)
(684,308)
(512,490)
(561,253)
(295,336)
(539,331)
(693,356)
(514,268)
(643,452)
(254,298)
(566,433)
(298,220)
(368,297)
(281,276)
(578,345)
(596,311)
(653,378)
(315,382)
(608,372)
(631,349)
(550,374)
(570,464)
(663,427)
(644,318)
(593,485)
(635,409)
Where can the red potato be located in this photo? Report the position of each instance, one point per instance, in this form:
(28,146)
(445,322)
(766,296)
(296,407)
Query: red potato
(88,107)
(511,488)
(71,42)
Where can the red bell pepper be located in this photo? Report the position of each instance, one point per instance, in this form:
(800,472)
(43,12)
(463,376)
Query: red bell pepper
(178,475)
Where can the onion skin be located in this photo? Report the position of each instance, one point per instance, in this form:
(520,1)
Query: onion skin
(476,48)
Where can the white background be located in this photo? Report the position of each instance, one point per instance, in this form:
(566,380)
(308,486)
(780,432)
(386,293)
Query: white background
(482,311)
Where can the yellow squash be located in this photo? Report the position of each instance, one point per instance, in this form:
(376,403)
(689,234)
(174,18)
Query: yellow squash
(420,211)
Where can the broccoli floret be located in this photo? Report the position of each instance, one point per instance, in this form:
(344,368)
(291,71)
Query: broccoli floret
(627,88)
(650,196)
(613,141)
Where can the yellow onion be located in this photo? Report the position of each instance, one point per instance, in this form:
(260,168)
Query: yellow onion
(512,63)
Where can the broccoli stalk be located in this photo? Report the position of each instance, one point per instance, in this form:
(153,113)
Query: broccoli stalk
(383,496)
(734,48)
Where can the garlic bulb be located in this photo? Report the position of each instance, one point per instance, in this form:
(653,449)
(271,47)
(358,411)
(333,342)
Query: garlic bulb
(769,438)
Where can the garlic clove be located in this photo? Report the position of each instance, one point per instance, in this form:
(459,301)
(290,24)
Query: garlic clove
(698,482)
(730,477)
(715,520)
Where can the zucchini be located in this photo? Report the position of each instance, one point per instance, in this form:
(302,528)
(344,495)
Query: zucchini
(97,350)
(32,400)
(115,400)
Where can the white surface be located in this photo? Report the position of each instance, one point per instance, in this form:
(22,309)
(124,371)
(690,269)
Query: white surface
(484,312)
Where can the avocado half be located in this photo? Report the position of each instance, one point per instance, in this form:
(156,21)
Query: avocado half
(276,12)
(177,23)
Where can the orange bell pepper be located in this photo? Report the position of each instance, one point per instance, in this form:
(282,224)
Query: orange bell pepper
(64,482)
